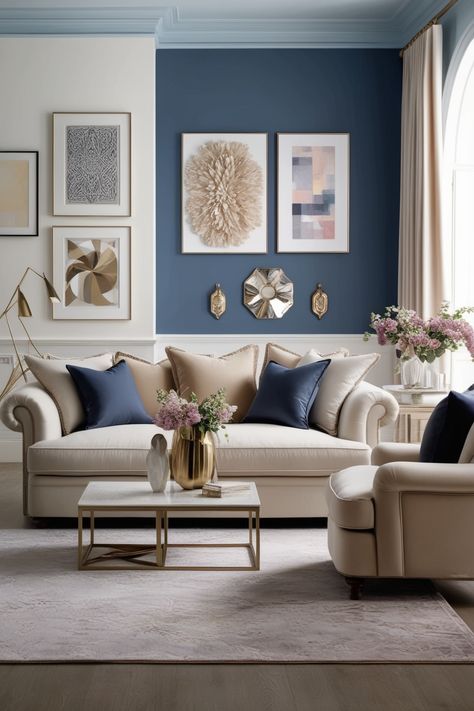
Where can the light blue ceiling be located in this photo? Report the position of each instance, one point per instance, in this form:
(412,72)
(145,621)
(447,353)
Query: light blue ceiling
(226,23)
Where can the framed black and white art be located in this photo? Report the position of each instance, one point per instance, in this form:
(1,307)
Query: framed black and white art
(91,164)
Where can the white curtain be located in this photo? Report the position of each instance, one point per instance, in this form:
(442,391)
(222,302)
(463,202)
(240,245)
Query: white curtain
(420,267)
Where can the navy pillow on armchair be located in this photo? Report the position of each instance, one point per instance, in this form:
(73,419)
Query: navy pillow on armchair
(109,397)
(285,395)
(447,428)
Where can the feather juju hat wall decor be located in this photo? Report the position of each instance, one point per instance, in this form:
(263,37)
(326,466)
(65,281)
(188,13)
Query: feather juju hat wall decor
(224,185)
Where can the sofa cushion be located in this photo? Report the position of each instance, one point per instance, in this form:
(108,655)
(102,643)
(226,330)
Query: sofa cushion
(350,498)
(250,450)
(285,395)
(54,377)
(109,397)
(341,377)
(149,378)
(204,375)
(448,428)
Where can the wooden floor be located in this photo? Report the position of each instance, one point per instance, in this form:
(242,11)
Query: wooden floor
(232,687)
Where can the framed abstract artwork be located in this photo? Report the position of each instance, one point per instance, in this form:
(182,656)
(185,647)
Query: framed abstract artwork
(18,193)
(224,193)
(313,192)
(91,272)
(91,164)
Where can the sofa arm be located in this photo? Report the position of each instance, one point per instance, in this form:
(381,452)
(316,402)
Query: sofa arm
(423,518)
(365,409)
(31,410)
(387,452)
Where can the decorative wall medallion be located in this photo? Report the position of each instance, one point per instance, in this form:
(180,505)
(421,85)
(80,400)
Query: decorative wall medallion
(91,272)
(91,164)
(313,192)
(224,193)
(319,301)
(217,302)
(268,293)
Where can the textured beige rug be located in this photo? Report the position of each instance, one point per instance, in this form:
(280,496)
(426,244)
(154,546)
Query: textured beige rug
(296,609)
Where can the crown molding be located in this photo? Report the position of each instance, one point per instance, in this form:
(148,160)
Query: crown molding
(171,31)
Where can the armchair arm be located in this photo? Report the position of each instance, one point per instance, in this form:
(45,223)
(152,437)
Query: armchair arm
(365,409)
(395,452)
(32,411)
(424,519)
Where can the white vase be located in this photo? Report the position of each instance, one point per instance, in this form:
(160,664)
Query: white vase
(157,463)
(412,372)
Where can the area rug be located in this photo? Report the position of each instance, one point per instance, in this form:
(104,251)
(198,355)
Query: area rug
(295,609)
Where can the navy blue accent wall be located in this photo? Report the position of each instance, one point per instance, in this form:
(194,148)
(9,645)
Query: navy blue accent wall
(355,91)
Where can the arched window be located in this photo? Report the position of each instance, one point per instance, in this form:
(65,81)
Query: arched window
(459,191)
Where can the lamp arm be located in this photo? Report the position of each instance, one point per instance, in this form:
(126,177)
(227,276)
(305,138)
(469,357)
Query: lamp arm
(29,337)
(25,274)
(18,357)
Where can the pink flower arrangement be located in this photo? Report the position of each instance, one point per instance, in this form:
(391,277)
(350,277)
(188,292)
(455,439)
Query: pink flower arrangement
(210,415)
(429,339)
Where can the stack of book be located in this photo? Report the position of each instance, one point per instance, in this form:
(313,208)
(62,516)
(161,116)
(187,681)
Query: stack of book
(223,488)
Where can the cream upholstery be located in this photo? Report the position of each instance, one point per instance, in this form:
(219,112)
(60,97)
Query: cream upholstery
(290,466)
(422,523)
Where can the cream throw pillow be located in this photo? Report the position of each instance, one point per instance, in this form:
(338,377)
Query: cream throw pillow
(148,377)
(283,356)
(204,375)
(54,377)
(340,378)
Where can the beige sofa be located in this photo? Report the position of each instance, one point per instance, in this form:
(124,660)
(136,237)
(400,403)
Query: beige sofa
(291,466)
(401,518)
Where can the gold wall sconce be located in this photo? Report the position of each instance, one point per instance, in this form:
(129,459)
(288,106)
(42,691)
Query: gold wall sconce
(218,302)
(19,300)
(319,301)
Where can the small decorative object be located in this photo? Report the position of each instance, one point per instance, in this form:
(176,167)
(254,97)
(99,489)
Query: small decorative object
(193,459)
(319,301)
(157,463)
(268,293)
(91,164)
(419,342)
(313,192)
(218,302)
(224,193)
(91,270)
(18,299)
(18,193)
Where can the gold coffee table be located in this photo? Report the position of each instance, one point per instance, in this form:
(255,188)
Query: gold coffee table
(132,497)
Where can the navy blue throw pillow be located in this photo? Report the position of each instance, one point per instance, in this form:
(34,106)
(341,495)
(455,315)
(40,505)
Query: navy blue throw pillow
(109,397)
(285,395)
(447,428)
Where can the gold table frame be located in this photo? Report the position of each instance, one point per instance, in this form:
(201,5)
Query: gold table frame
(133,552)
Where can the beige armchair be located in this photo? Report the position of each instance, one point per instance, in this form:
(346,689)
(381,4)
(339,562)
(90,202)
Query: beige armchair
(400,518)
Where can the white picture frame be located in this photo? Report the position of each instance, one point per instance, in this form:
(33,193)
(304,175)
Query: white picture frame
(257,241)
(101,186)
(77,254)
(313,192)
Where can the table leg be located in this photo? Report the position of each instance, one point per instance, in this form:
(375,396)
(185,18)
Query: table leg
(79,539)
(257,535)
(92,528)
(250,527)
(159,549)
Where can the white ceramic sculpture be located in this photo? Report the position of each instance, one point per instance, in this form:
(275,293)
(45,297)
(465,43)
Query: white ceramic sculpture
(157,463)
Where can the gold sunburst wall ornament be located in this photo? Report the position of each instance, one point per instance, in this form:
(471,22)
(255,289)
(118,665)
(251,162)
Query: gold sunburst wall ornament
(268,293)
(224,188)
(218,302)
(319,301)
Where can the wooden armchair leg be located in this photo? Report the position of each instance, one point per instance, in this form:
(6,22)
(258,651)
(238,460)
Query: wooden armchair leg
(356,585)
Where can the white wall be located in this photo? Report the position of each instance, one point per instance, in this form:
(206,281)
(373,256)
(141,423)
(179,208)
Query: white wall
(43,75)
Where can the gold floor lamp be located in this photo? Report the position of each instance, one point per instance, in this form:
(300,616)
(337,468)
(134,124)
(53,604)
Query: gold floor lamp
(18,300)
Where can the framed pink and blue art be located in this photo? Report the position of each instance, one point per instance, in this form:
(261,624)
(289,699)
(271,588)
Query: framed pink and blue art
(313,192)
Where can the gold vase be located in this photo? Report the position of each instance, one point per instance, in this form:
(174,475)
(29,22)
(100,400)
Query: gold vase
(193,457)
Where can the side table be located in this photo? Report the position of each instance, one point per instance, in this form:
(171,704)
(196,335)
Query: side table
(416,406)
